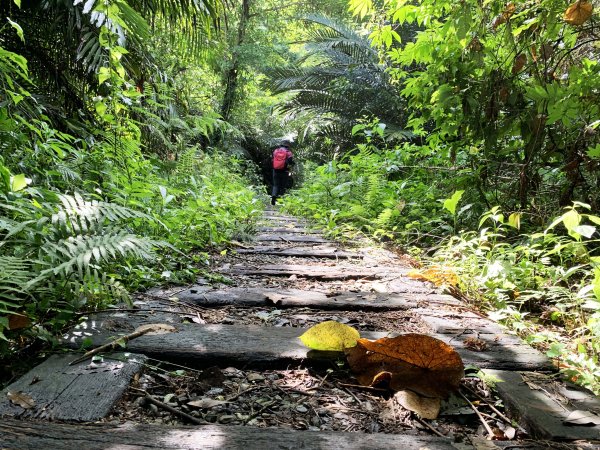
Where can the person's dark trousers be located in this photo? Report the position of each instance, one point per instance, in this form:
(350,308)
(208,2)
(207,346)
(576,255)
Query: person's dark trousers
(280,180)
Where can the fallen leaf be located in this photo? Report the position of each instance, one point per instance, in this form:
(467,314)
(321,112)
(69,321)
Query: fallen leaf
(584,418)
(438,275)
(330,336)
(475,344)
(157,328)
(578,13)
(425,407)
(20,398)
(206,403)
(18,321)
(416,362)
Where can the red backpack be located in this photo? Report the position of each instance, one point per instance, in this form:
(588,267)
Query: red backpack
(280,157)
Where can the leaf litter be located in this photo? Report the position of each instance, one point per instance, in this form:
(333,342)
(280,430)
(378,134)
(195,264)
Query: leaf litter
(297,399)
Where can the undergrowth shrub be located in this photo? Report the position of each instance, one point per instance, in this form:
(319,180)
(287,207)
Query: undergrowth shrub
(544,285)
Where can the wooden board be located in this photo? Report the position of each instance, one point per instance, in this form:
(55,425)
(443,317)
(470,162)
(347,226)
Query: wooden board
(256,346)
(301,252)
(55,436)
(291,237)
(292,229)
(543,415)
(318,272)
(82,392)
(295,298)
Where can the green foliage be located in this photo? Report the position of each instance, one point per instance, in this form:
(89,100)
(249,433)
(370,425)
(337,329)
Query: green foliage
(507,90)
(369,191)
(536,283)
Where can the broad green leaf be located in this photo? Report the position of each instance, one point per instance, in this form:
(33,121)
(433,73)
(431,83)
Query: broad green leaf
(571,219)
(17,28)
(514,220)
(450,203)
(594,152)
(19,182)
(18,3)
(330,335)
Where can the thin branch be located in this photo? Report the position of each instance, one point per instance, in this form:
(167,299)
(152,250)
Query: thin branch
(112,345)
(481,418)
(169,408)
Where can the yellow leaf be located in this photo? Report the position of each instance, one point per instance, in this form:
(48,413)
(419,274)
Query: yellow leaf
(330,335)
(440,276)
(578,13)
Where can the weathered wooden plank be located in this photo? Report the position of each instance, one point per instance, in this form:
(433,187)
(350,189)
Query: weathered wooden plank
(257,346)
(289,229)
(318,272)
(543,416)
(295,298)
(56,436)
(291,237)
(301,252)
(82,392)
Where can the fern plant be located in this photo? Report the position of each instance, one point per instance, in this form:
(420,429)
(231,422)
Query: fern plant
(58,251)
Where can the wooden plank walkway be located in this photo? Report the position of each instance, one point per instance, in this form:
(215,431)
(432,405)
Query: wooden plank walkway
(301,252)
(84,392)
(277,347)
(42,435)
(384,288)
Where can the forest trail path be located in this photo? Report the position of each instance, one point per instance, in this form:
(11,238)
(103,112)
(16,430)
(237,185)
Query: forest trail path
(255,386)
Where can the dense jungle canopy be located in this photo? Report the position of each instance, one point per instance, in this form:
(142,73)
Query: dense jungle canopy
(136,137)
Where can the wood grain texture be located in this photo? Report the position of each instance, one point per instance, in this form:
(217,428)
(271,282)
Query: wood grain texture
(319,272)
(290,237)
(296,298)
(276,347)
(540,414)
(35,436)
(301,252)
(83,392)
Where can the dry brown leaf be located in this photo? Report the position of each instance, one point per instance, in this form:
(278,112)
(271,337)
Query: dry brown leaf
(157,328)
(425,407)
(18,321)
(578,13)
(506,14)
(20,398)
(417,362)
(519,63)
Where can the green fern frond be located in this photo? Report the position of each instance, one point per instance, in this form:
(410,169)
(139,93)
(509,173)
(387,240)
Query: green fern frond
(15,273)
(77,254)
(77,215)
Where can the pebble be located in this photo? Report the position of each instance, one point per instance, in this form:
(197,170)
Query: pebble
(301,409)
(226,419)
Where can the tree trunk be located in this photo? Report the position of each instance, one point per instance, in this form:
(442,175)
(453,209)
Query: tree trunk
(231,76)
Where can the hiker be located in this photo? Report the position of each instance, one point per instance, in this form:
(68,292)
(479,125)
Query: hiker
(282,159)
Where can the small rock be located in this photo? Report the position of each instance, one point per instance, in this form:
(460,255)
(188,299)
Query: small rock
(140,401)
(214,391)
(253,376)
(301,409)
(226,419)
(153,409)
